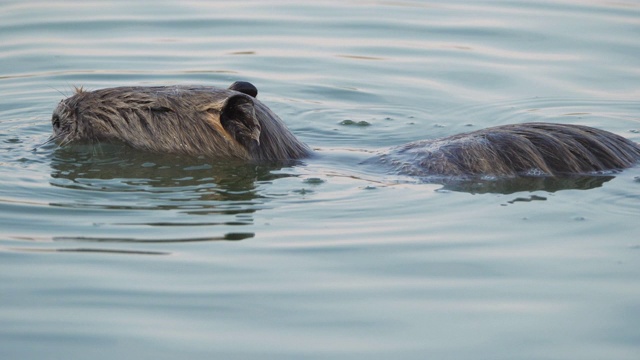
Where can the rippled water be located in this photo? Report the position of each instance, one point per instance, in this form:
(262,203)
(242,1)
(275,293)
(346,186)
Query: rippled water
(113,253)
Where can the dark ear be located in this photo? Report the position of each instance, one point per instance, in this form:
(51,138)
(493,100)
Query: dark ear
(238,118)
(245,88)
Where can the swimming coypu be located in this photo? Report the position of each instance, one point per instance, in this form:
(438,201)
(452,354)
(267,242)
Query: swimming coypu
(200,120)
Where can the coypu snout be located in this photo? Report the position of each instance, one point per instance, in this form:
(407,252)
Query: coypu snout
(193,120)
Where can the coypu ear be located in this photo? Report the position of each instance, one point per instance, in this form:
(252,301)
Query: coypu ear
(238,118)
(245,88)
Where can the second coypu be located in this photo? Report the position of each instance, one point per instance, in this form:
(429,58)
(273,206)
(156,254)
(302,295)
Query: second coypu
(232,123)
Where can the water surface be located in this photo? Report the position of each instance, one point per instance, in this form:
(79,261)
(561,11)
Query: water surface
(109,252)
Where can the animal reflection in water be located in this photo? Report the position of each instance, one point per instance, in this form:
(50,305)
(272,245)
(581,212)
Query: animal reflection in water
(233,124)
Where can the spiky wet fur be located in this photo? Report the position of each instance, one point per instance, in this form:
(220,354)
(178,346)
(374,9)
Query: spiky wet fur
(192,120)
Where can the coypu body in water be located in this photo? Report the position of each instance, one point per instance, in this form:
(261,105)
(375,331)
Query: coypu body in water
(535,149)
(232,123)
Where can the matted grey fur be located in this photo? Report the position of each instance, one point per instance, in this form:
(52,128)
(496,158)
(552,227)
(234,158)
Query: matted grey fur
(202,120)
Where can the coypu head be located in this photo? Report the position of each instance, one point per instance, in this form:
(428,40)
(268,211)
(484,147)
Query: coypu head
(192,120)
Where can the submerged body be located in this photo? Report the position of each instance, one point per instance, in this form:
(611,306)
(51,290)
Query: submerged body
(232,123)
(534,149)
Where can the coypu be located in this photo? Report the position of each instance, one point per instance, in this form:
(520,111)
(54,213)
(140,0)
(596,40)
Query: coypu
(201,120)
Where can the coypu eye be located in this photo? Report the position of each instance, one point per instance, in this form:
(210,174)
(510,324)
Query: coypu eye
(55,121)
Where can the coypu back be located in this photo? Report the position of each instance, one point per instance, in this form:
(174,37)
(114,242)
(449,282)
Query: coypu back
(192,120)
(542,149)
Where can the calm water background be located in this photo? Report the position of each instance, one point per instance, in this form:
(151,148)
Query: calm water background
(117,254)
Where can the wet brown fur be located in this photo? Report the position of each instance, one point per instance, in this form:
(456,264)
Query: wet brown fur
(217,122)
(518,149)
(177,119)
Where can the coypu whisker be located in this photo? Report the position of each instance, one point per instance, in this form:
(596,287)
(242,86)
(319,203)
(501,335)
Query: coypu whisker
(51,139)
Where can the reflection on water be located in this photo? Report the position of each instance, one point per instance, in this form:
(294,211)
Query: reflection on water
(87,250)
(121,169)
(527,183)
(202,186)
(225,192)
(229,237)
(179,182)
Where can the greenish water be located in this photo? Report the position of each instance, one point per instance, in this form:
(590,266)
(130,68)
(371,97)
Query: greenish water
(117,254)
